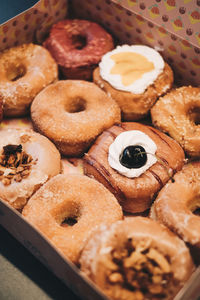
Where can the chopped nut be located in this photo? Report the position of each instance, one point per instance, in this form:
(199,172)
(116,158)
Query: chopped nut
(159,259)
(155,288)
(136,257)
(25,138)
(6,181)
(116,277)
(14,161)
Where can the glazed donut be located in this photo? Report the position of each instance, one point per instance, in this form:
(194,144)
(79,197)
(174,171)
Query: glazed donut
(177,113)
(136,259)
(24,71)
(72,114)
(68,208)
(77,46)
(27,161)
(134,161)
(134,102)
(178,202)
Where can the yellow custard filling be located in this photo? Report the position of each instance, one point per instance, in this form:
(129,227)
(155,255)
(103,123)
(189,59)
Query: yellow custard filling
(130,66)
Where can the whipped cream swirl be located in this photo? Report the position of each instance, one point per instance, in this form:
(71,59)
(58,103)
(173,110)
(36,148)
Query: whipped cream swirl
(131,138)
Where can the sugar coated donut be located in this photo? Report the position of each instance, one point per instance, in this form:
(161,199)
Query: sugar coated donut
(177,204)
(24,71)
(72,114)
(177,113)
(136,259)
(68,208)
(134,161)
(27,161)
(134,81)
(77,46)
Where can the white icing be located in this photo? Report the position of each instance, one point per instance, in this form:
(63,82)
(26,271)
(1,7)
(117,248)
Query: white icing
(131,138)
(140,85)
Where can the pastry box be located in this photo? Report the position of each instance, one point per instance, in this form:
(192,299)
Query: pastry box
(169,26)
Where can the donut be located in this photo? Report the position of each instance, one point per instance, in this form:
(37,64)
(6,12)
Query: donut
(77,46)
(177,114)
(24,71)
(134,161)
(123,73)
(177,204)
(68,208)
(27,160)
(136,258)
(72,114)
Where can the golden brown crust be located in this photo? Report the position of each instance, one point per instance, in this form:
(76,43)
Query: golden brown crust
(134,194)
(71,196)
(24,71)
(135,107)
(18,181)
(72,114)
(177,113)
(177,201)
(136,259)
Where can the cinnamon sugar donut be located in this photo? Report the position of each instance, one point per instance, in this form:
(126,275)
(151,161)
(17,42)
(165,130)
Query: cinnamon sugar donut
(177,113)
(77,46)
(27,161)
(72,114)
(134,161)
(136,259)
(68,208)
(24,71)
(178,202)
(117,78)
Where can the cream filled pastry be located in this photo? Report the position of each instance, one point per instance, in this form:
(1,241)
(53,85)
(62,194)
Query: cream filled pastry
(27,161)
(136,259)
(134,161)
(134,76)
(131,68)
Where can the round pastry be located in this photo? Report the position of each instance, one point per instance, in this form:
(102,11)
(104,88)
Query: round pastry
(136,259)
(27,161)
(24,71)
(68,208)
(177,205)
(177,113)
(77,46)
(72,114)
(135,76)
(134,161)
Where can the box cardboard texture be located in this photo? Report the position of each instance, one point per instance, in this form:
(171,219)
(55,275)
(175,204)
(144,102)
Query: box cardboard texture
(131,22)
(170,26)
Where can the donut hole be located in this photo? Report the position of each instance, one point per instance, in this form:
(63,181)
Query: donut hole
(15,72)
(194,115)
(79,41)
(195,206)
(76,105)
(69,216)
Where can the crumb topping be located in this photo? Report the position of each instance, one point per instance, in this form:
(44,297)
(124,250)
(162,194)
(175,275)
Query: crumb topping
(15,164)
(141,269)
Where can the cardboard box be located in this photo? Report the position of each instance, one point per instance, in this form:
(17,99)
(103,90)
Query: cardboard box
(130,21)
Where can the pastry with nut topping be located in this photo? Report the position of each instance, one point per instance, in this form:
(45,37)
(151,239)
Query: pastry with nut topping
(27,160)
(137,259)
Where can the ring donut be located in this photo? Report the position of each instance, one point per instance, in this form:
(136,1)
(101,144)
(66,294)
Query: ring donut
(72,113)
(68,208)
(136,259)
(135,186)
(27,161)
(177,204)
(77,46)
(177,113)
(24,71)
